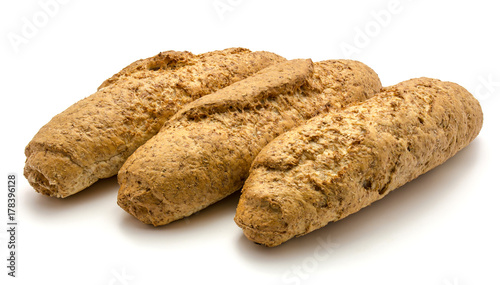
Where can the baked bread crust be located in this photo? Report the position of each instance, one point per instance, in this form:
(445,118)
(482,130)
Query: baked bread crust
(93,138)
(339,162)
(204,152)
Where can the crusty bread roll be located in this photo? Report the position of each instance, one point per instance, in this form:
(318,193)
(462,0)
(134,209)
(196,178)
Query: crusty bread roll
(204,152)
(92,138)
(342,161)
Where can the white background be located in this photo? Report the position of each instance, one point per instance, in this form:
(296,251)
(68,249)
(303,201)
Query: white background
(442,228)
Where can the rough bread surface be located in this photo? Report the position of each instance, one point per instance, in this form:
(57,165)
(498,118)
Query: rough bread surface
(93,138)
(342,161)
(205,151)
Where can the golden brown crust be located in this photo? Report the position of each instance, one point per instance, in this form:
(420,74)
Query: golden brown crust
(92,138)
(342,161)
(205,151)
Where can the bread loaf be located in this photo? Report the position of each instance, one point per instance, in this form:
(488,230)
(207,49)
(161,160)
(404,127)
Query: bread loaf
(339,162)
(204,152)
(93,138)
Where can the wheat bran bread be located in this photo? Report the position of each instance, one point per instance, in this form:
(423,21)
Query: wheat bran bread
(339,162)
(204,152)
(93,138)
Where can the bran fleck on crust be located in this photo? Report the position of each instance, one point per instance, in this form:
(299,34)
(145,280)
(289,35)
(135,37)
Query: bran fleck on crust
(204,152)
(338,163)
(93,138)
